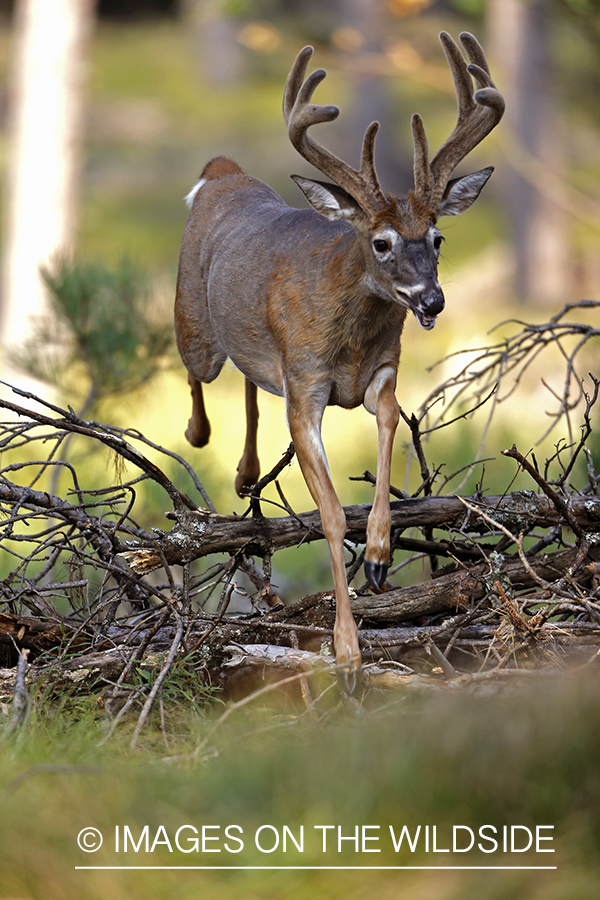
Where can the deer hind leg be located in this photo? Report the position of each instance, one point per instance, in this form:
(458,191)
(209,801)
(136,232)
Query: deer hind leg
(201,353)
(198,430)
(198,344)
(381,400)
(248,470)
(305,428)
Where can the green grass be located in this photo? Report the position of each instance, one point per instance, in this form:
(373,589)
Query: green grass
(452,758)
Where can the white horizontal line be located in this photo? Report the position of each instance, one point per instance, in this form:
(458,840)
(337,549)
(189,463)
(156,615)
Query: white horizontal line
(330,868)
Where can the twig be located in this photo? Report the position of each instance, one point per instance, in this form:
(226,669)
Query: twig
(560,505)
(586,428)
(165,669)
(593,479)
(138,653)
(370,479)
(72,423)
(546,585)
(437,656)
(513,614)
(226,593)
(21,705)
(304,688)
(255,490)
(413,423)
(492,365)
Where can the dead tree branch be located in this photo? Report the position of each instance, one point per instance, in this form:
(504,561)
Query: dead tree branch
(501,367)
(196,534)
(98,600)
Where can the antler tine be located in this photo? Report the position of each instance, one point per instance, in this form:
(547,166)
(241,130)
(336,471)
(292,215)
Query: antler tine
(299,114)
(294,80)
(367,160)
(422,172)
(478,113)
(475,51)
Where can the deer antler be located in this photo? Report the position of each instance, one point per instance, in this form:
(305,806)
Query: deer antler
(478,114)
(299,114)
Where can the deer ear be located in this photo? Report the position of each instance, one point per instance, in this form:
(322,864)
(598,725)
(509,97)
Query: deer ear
(461,193)
(330,200)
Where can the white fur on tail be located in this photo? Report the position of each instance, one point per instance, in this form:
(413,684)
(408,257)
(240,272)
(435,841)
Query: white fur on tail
(189,198)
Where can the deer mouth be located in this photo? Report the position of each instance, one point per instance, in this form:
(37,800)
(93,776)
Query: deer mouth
(425,312)
(427,306)
(426,322)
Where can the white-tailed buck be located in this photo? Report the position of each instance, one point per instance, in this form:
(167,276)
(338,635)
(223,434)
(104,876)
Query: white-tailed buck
(310,303)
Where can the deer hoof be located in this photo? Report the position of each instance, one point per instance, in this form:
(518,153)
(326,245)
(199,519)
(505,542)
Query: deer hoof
(347,657)
(376,573)
(243,484)
(349,679)
(197,437)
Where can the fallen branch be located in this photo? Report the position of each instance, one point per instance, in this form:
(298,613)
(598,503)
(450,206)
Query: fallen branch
(456,591)
(197,534)
(74,425)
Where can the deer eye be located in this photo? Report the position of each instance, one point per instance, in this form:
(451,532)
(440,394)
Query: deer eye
(437,241)
(381,246)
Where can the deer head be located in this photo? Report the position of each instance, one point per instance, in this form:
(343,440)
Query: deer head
(399,236)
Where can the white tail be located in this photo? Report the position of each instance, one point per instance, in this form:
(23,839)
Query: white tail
(310,304)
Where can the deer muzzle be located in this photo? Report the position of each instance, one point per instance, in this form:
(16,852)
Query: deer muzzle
(428,306)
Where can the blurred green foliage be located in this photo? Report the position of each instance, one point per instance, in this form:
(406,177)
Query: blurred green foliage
(102,335)
(464,756)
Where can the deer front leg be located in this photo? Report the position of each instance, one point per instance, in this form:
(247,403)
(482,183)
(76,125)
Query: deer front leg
(305,428)
(248,470)
(380,400)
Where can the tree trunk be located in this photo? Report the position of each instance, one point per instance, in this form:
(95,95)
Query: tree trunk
(521,49)
(48,74)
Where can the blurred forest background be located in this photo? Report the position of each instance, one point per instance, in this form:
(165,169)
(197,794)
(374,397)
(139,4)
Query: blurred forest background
(109,110)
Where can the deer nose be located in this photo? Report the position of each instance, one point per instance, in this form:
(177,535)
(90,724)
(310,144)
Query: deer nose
(432,303)
(429,305)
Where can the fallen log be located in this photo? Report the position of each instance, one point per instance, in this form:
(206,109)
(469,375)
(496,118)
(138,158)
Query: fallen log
(199,533)
(458,590)
(280,661)
(27,633)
